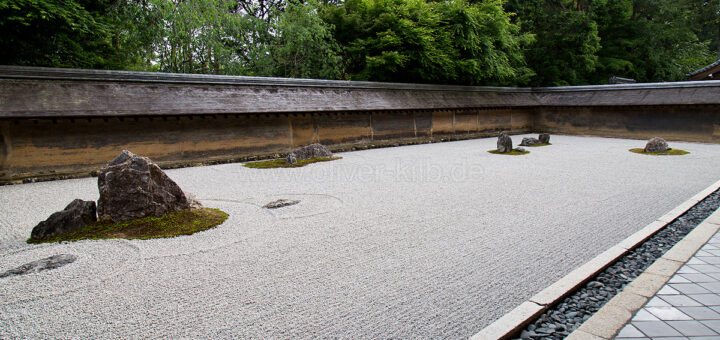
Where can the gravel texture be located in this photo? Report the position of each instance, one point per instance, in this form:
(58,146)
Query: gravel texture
(423,241)
(568,315)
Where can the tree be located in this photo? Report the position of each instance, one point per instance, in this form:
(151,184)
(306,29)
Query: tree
(567,40)
(60,33)
(305,47)
(449,42)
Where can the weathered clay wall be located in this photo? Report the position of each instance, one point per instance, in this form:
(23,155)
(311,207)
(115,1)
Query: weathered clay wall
(59,147)
(56,122)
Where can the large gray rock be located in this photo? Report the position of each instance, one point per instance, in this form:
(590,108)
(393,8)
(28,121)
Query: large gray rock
(527,141)
(656,144)
(544,138)
(134,187)
(315,150)
(504,143)
(76,215)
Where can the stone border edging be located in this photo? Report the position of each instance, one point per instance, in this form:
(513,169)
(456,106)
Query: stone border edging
(629,299)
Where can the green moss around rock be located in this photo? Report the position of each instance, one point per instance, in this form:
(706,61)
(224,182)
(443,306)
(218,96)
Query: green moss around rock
(671,152)
(183,222)
(280,163)
(511,153)
(536,145)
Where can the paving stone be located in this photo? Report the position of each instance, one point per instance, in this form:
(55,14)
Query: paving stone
(706,299)
(695,260)
(700,313)
(644,315)
(713,287)
(657,302)
(712,324)
(630,331)
(710,259)
(687,270)
(668,290)
(705,268)
(690,288)
(691,328)
(679,279)
(668,313)
(656,328)
(680,301)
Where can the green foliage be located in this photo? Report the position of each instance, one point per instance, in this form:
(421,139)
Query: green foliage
(281,163)
(184,222)
(467,42)
(419,41)
(60,33)
(566,42)
(305,47)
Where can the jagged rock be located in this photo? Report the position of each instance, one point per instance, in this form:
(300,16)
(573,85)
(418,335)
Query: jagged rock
(656,144)
(544,138)
(76,215)
(527,141)
(52,262)
(504,143)
(314,150)
(134,187)
(193,201)
(291,158)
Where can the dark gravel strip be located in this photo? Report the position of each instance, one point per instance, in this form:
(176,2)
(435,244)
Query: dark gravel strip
(568,315)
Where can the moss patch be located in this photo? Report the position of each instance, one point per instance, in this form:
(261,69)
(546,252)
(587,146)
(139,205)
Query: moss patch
(511,153)
(183,222)
(541,144)
(671,152)
(280,163)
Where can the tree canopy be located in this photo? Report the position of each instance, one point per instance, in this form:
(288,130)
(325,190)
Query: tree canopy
(467,42)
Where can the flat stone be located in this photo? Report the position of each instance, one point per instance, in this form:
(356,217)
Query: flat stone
(528,141)
(52,262)
(280,203)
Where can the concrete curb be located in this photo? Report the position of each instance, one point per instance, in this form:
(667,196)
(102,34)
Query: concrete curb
(621,308)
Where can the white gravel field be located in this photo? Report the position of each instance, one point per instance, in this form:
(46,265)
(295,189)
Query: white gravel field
(423,241)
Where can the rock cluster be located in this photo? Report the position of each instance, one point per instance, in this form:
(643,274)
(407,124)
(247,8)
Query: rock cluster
(528,141)
(130,187)
(315,150)
(76,215)
(656,144)
(133,187)
(504,143)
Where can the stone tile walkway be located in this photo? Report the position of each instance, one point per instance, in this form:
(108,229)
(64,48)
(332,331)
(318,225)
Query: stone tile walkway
(688,306)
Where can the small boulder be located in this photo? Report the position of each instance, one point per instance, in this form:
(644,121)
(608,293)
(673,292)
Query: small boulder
(528,141)
(133,187)
(544,138)
(76,215)
(291,158)
(656,144)
(315,150)
(504,143)
(519,149)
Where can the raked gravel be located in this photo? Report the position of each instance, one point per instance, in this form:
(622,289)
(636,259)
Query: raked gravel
(428,241)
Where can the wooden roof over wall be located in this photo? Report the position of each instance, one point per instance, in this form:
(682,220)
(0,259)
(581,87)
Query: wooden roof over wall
(710,72)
